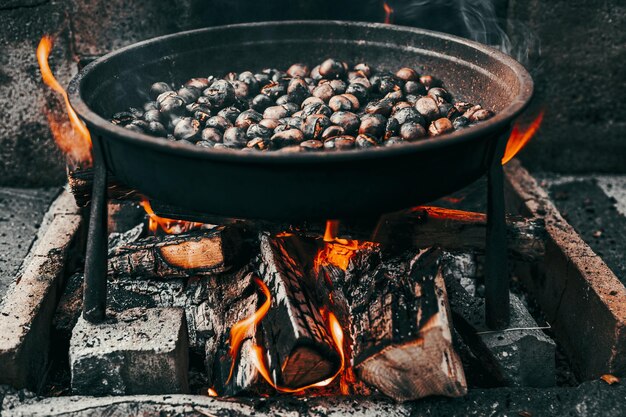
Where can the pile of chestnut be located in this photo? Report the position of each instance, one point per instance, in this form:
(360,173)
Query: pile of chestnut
(331,106)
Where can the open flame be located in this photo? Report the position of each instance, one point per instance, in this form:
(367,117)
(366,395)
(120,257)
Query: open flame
(247,326)
(73,140)
(169,226)
(336,251)
(337,335)
(520,137)
(388,12)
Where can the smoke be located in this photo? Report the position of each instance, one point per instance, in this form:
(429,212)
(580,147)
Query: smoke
(473,19)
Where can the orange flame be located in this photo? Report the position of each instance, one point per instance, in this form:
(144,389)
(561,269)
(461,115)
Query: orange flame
(388,12)
(337,334)
(211,392)
(244,327)
(169,226)
(74,141)
(336,251)
(519,138)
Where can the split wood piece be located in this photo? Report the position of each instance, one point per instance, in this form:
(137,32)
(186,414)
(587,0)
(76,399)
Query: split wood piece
(455,230)
(401,330)
(240,300)
(299,349)
(81,184)
(200,252)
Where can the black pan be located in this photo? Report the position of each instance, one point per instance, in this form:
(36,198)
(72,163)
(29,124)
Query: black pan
(304,185)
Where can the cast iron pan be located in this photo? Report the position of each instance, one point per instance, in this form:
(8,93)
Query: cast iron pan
(301,186)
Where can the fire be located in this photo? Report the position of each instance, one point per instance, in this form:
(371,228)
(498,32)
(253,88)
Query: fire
(169,226)
(336,251)
(211,392)
(243,328)
(388,12)
(337,334)
(74,140)
(520,137)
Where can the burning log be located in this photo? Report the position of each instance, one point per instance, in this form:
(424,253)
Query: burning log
(300,351)
(200,252)
(229,362)
(456,230)
(401,330)
(81,183)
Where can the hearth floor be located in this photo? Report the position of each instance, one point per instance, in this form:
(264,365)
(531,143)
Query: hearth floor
(590,204)
(594,398)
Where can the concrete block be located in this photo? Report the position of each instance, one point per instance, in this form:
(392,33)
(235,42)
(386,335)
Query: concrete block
(581,297)
(521,355)
(138,351)
(27,309)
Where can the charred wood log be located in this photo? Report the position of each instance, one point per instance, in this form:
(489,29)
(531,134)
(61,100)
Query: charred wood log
(81,183)
(299,349)
(401,330)
(200,252)
(455,230)
(419,228)
(234,375)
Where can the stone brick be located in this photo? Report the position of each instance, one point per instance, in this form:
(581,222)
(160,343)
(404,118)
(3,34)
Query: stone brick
(581,297)
(138,351)
(521,355)
(27,309)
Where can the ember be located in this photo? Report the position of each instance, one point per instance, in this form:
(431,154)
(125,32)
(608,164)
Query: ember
(169,226)
(336,251)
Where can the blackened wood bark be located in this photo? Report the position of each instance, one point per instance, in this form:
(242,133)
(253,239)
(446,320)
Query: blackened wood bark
(455,230)
(81,183)
(401,330)
(299,349)
(200,252)
(233,302)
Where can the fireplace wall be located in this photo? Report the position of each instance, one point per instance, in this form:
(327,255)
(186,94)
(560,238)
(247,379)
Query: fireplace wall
(578,73)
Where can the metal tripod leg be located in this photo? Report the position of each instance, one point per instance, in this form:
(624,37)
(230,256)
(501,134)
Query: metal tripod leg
(497,309)
(94,297)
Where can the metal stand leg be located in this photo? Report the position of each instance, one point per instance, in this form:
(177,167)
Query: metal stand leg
(496,269)
(94,297)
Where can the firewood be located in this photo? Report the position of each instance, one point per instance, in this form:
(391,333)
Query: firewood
(233,302)
(456,230)
(81,183)
(401,330)
(200,252)
(299,349)
(453,230)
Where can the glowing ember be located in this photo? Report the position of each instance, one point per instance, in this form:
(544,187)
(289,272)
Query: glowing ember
(247,326)
(211,392)
(337,334)
(73,140)
(169,226)
(388,12)
(519,138)
(336,251)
